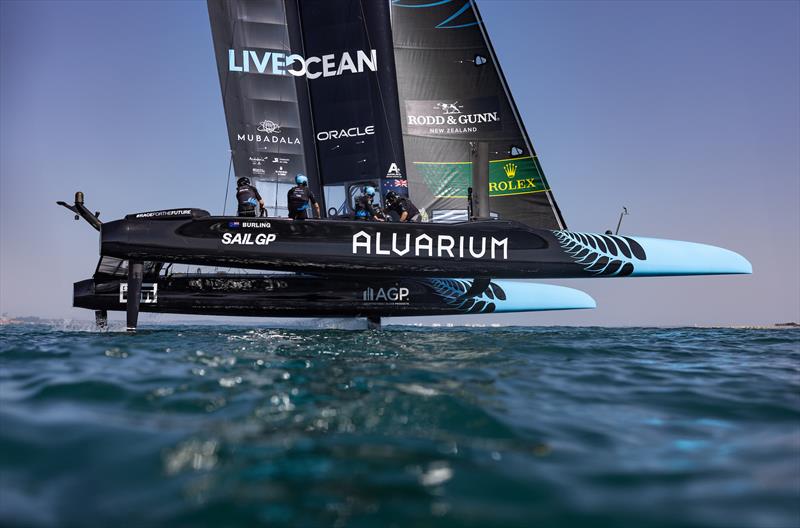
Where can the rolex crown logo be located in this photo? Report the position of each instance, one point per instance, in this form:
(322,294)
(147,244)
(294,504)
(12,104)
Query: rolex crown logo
(510,169)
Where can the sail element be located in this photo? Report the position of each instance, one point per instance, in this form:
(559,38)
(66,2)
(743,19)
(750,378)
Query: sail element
(355,113)
(452,96)
(262,76)
(309,86)
(353,92)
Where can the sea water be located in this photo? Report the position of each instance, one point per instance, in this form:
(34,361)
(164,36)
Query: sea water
(241,426)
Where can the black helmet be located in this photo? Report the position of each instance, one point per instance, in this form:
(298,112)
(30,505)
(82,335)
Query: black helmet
(391,197)
(244,180)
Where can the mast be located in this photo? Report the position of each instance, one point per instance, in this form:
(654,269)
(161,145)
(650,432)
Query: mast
(480,181)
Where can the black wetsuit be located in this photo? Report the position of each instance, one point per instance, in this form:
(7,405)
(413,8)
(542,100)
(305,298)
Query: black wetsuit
(248,199)
(404,205)
(365,209)
(299,199)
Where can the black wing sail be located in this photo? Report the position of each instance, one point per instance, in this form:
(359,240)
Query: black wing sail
(265,102)
(353,92)
(453,94)
(309,86)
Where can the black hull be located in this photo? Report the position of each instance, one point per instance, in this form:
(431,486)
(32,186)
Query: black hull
(291,295)
(271,296)
(472,249)
(488,248)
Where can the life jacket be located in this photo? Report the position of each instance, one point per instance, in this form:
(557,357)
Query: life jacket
(404,204)
(298,198)
(247,195)
(364,207)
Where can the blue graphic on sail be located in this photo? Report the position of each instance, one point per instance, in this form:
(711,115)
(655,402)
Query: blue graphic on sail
(449,22)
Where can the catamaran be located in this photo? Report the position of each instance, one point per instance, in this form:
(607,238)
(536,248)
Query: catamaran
(401,95)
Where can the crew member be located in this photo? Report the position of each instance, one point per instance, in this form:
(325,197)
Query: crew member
(401,205)
(248,198)
(300,199)
(365,209)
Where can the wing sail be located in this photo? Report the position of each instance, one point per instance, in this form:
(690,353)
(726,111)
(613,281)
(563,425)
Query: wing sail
(266,106)
(453,94)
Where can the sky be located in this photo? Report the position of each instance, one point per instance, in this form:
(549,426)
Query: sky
(687,113)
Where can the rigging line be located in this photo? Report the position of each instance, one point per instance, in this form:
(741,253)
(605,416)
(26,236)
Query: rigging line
(378,82)
(227,188)
(227,185)
(230,46)
(225,109)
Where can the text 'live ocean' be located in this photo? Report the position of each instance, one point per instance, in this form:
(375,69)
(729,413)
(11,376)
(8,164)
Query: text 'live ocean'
(325,66)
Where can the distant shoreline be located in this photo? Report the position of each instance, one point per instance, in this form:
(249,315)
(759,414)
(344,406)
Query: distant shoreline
(330,323)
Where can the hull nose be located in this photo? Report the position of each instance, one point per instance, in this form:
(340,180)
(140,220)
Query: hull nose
(528,296)
(114,238)
(674,257)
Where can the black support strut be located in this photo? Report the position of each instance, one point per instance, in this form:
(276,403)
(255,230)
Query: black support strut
(101,319)
(135,274)
(479,156)
(374,322)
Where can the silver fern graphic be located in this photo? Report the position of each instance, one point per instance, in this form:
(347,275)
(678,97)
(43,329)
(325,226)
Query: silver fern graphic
(456,293)
(612,255)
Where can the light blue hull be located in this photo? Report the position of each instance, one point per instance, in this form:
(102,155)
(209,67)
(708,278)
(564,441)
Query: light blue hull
(623,256)
(675,257)
(528,296)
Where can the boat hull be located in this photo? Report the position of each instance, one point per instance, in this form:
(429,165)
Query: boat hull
(491,248)
(290,295)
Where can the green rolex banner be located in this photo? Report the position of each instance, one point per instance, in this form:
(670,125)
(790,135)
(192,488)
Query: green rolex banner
(507,177)
(515,176)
